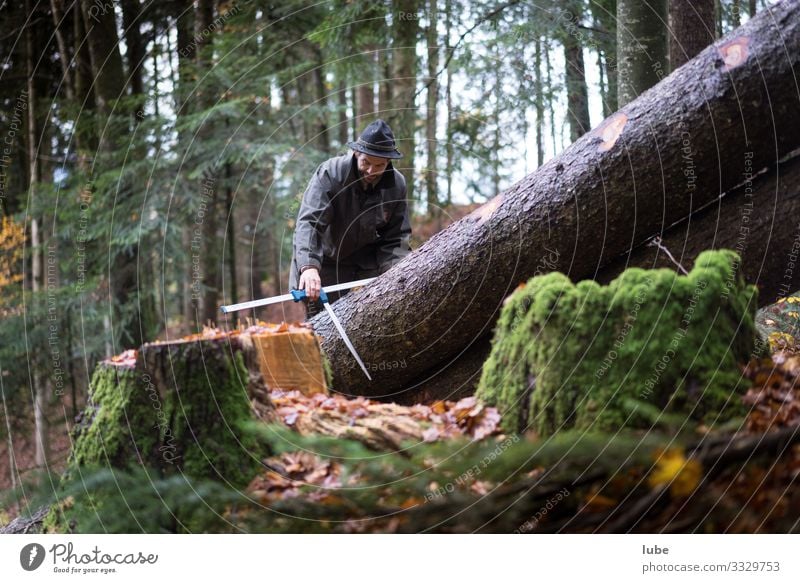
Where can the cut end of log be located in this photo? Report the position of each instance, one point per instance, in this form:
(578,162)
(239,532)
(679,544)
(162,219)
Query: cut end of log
(734,53)
(291,359)
(610,130)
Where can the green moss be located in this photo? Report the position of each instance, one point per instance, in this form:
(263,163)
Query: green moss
(190,420)
(583,355)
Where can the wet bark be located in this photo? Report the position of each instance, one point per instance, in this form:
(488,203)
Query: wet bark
(641,46)
(612,190)
(691,29)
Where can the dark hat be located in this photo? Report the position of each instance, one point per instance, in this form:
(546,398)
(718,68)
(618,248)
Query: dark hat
(377,139)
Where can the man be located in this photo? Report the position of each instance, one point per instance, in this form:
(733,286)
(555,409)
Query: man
(353,222)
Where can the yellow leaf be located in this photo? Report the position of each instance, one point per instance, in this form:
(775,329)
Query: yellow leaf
(673,469)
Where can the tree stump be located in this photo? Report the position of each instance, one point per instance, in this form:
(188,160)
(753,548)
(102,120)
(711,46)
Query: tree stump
(602,357)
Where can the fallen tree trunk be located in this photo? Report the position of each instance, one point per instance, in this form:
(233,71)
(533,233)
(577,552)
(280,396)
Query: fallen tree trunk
(750,219)
(760,220)
(674,149)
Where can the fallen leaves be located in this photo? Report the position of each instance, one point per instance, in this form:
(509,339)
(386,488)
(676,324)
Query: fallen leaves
(441,420)
(675,471)
(774,400)
(292,471)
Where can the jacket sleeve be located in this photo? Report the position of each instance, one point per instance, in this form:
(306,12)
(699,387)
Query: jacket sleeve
(312,220)
(396,237)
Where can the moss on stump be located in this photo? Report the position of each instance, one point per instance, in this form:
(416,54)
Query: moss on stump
(588,356)
(174,407)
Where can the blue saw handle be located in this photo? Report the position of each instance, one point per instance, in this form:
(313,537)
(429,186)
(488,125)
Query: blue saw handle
(300,294)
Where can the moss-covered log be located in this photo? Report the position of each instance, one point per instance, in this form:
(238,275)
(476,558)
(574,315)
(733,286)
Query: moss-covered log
(602,357)
(176,407)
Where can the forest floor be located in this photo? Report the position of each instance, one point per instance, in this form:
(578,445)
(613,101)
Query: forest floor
(750,492)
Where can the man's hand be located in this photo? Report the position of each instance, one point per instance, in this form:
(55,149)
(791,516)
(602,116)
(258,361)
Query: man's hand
(310,282)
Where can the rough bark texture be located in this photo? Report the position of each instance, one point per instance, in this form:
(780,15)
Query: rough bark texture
(748,220)
(103,42)
(691,26)
(751,220)
(577,92)
(404,60)
(615,188)
(641,46)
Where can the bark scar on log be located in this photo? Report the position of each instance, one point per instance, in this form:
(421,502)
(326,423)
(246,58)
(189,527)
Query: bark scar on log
(734,53)
(611,129)
(483,212)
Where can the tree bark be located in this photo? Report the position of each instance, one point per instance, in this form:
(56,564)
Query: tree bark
(691,26)
(749,220)
(404,60)
(746,219)
(641,46)
(135,53)
(539,103)
(59,24)
(612,190)
(103,42)
(39,384)
(577,91)
(432,96)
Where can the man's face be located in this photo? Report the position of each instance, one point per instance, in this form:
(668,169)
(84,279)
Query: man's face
(371,168)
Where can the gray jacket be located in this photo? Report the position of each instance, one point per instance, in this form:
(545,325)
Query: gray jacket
(342,223)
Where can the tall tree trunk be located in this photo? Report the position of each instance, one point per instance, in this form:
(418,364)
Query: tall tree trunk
(604,13)
(606,193)
(539,101)
(59,22)
(342,125)
(134,54)
(366,91)
(86,139)
(752,7)
(103,42)
(323,139)
(385,94)
(109,86)
(185,47)
(691,29)
(404,60)
(449,150)
(575,76)
(549,83)
(641,46)
(39,384)
(432,96)
(209,186)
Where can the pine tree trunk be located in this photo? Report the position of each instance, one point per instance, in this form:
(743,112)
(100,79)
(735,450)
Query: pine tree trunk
(539,101)
(432,95)
(404,61)
(603,195)
(103,43)
(691,29)
(135,53)
(39,384)
(641,46)
(744,220)
(59,24)
(449,149)
(604,13)
(575,76)
(209,205)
